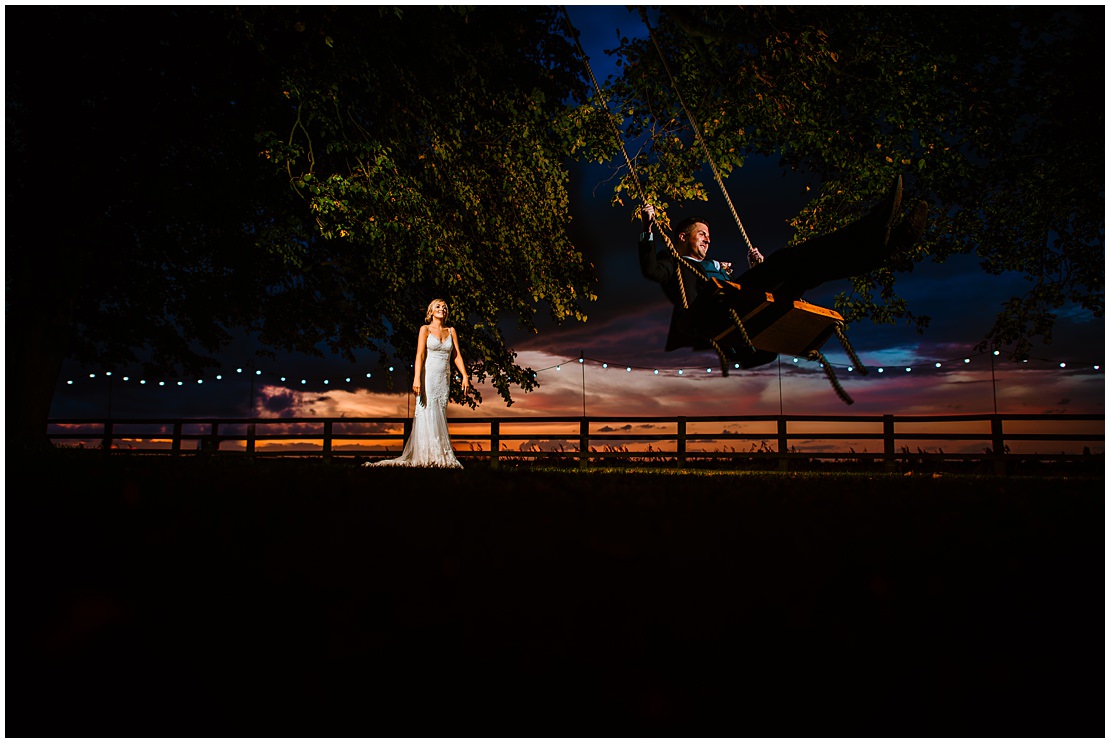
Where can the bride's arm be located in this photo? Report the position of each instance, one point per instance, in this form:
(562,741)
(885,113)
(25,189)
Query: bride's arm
(421,352)
(456,352)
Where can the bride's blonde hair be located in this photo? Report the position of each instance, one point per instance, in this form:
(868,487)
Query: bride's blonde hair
(431,306)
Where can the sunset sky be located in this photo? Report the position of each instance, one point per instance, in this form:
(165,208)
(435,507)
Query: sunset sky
(627,326)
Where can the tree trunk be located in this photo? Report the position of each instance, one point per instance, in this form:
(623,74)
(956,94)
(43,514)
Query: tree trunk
(36,343)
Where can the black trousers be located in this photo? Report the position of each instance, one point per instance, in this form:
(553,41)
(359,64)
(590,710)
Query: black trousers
(852,250)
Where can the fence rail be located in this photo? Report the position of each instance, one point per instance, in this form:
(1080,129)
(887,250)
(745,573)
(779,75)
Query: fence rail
(997,438)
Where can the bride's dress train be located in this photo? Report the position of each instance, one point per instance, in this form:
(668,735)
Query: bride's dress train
(429,444)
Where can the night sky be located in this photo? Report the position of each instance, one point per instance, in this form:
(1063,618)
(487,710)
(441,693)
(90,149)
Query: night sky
(627,326)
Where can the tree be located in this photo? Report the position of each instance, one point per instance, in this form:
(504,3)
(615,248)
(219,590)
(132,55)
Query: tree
(311,175)
(427,149)
(991,113)
(131,178)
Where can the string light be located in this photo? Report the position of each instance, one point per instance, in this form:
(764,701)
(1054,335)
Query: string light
(583,360)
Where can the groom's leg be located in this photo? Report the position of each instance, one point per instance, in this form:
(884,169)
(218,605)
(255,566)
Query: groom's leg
(855,249)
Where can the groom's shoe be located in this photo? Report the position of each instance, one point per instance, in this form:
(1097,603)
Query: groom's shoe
(875,247)
(910,229)
(905,236)
(887,210)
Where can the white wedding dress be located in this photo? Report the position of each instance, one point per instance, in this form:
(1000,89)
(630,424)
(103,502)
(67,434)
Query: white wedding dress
(429,444)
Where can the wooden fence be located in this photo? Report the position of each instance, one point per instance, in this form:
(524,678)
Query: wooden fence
(784,440)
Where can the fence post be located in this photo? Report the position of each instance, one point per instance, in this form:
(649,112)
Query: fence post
(494,443)
(327,441)
(175,443)
(998,445)
(784,460)
(208,444)
(106,442)
(681,442)
(888,443)
(250,438)
(583,443)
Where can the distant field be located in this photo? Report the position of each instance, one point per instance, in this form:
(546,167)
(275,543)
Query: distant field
(171,597)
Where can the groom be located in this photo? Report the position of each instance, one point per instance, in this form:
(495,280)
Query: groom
(855,249)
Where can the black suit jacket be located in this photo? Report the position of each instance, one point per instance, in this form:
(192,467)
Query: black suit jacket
(691,325)
(660,268)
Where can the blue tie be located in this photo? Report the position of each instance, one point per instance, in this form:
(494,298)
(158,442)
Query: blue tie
(712,271)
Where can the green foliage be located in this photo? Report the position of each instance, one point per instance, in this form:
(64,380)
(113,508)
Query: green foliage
(312,176)
(429,150)
(990,113)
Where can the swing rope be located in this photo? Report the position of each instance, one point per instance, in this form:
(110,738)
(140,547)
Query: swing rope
(843,338)
(840,332)
(819,357)
(733,316)
(678,259)
(697,130)
(631,168)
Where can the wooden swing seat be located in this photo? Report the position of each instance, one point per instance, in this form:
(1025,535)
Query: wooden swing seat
(791,327)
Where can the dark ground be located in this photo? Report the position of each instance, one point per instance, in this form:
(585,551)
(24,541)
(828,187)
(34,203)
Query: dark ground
(153,597)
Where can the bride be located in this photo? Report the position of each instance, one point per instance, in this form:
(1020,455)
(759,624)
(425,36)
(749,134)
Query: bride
(437,346)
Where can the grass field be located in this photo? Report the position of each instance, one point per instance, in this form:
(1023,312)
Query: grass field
(183,597)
